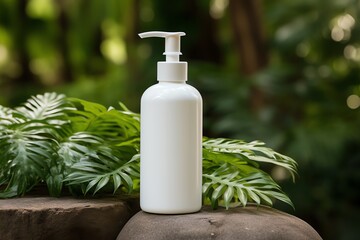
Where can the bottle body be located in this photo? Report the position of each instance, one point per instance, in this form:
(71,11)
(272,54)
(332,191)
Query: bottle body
(171,149)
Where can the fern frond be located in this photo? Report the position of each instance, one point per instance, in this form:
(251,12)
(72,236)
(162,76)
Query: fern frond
(104,170)
(112,125)
(213,159)
(254,151)
(55,177)
(5,116)
(29,141)
(228,186)
(25,153)
(50,106)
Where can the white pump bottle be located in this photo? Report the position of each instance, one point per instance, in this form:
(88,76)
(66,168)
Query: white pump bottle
(171,137)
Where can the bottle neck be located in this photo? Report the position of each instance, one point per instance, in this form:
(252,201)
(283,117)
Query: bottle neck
(172,82)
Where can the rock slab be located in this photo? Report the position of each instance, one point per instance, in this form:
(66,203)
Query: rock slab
(250,223)
(46,218)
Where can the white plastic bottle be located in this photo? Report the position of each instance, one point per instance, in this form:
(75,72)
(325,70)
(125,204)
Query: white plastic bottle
(171,137)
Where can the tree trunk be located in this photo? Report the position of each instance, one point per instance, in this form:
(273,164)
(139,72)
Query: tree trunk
(25,80)
(133,82)
(26,77)
(66,69)
(249,38)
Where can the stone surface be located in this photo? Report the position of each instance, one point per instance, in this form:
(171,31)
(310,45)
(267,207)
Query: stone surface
(39,218)
(250,223)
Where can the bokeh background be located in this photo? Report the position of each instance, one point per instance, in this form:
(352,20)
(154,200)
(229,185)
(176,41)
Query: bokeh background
(283,72)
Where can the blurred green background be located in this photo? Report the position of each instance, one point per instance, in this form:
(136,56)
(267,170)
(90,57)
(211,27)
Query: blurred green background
(284,72)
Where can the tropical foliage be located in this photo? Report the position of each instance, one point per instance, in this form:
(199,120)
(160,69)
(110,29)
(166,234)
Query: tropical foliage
(87,148)
(309,86)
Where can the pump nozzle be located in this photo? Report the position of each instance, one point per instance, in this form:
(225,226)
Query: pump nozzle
(172,43)
(172,70)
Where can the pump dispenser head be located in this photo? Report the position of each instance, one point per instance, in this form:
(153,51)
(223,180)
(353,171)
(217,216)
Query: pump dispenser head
(172,70)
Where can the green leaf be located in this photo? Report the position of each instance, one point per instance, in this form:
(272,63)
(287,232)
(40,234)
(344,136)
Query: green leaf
(253,196)
(88,107)
(265,198)
(219,191)
(128,180)
(117,181)
(206,187)
(92,183)
(103,181)
(241,195)
(228,196)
